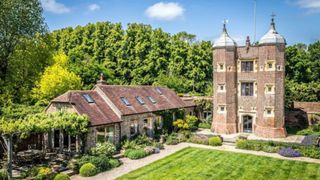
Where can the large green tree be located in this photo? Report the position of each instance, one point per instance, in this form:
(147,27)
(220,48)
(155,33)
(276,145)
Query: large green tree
(19,19)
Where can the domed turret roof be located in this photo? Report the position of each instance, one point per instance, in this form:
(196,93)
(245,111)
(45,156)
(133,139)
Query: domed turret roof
(272,36)
(224,40)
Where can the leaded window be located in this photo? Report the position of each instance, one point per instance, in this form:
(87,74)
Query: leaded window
(247,89)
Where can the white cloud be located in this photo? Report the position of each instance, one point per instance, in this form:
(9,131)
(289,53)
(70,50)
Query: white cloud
(54,7)
(165,11)
(311,5)
(93,7)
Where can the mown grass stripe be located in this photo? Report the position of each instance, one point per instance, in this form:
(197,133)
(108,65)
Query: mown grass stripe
(197,163)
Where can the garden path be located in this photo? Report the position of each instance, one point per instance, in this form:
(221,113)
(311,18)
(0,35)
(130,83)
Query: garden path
(130,165)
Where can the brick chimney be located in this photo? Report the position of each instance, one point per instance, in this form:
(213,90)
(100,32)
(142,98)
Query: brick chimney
(101,81)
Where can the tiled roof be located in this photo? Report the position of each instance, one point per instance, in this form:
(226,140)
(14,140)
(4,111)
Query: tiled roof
(164,101)
(98,112)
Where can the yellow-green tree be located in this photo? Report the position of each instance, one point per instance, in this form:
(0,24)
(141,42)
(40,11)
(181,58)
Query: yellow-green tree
(56,80)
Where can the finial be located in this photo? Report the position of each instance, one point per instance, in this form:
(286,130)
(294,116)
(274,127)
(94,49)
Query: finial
(101,81)
(272,20)
(101,77)
(225,21)
(248,43)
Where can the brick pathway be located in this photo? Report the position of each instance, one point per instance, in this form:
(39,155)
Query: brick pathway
(130,165)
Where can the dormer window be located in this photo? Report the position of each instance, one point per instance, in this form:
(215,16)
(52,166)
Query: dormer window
(159,90)
(152,99)
(125,101)
(140,100)
(88,98)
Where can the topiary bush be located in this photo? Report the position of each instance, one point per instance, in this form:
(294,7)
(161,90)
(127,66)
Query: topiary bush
(88,170)
(215,141)
(101,162)
(3,174)
(135,153)
(106,148)
(61,176)
(204,125)
(114,163)
(289,152)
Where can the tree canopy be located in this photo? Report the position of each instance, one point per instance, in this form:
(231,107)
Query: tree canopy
(138,55)
(56,80)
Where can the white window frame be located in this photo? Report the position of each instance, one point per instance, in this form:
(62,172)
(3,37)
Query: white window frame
(267,86)
(222,106)
(219,88)
(268,108)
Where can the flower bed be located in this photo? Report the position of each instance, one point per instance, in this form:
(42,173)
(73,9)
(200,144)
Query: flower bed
(276,147)
(140,147)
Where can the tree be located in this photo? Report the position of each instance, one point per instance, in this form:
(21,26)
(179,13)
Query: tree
(56,80)
(19,19)
(26,64)
(89,73)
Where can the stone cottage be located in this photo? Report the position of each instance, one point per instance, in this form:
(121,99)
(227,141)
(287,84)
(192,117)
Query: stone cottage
(117,111)
(249,85)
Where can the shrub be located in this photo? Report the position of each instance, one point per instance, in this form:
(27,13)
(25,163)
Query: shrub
(312,152)
(43,173)
(106,148)
(143,140)
(127,144)
(135,153)
(88,170)
(3,174)
(149,150)
(199,139)
(158,145)
(137,143)
(101,162)
(61,176)
(114,163)
(204,125)
(289,152)
(215,141)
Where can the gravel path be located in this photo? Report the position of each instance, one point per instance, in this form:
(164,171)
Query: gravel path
(130,165)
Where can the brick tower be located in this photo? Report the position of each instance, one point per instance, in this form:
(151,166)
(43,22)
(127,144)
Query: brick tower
(249,85)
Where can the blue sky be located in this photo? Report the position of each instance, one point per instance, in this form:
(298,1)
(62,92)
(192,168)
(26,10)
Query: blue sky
(297,20)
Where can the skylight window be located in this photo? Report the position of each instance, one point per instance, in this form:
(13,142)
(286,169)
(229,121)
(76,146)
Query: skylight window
(88,98)
(159,90)
(152,99)
(125,101)
(140,100)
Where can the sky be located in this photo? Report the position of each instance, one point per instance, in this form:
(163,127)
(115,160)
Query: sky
(297,20)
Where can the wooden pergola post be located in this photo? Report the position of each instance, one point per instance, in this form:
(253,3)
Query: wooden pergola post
(77,143)
(61,138)
(8,141)
(69,143)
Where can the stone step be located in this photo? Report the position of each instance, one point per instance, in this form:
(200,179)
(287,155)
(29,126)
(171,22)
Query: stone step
(69,172)
(229,143)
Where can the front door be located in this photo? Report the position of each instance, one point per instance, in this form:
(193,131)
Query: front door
(247,123)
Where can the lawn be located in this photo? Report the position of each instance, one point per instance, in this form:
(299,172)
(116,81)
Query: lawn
(195,163)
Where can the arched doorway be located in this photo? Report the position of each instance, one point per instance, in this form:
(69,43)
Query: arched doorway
(247,123)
